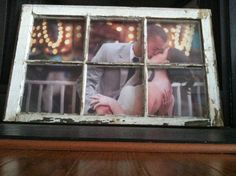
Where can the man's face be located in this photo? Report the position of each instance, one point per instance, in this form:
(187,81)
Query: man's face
(156,45)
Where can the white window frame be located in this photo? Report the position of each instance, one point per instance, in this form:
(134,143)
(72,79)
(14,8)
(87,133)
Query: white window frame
(16,89)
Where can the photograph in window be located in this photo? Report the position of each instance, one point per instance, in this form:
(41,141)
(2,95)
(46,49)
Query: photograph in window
(177,92)
(52,89)
(118,91)
(57,40)
(179,41)
(111,41)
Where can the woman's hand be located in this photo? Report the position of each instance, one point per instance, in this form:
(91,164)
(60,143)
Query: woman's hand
(160,58)
(101,100)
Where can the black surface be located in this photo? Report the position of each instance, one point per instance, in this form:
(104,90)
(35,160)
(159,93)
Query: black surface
(224,28)
(118,133)
(232,13)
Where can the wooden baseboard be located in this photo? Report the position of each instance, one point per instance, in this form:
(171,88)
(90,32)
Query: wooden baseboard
(116,146)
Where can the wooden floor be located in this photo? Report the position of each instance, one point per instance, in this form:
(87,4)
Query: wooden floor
(58,163)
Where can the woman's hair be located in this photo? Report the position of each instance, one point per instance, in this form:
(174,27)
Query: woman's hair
(153,30)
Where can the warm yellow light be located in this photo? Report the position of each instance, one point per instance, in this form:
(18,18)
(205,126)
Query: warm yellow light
(44,32)
(44,27)
(131,28)
(54,45)
(59,24)
(49,43)
(166,30)
(68,28)
(67,42)
(119,29)
(109,23)
(68,35)
(45,36)
(78,27)
(34,34)
(47,40)
(60,28)
(44,23)
(33,50)
(38,27)
(39,34)
(63,49)
(186,53)
(60,32)
(55,51)
(41,41)
(172,29)
(79,35)
(33,27)
(131,36)
(34,41)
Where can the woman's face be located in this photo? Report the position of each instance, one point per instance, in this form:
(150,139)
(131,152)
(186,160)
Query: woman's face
(156,45)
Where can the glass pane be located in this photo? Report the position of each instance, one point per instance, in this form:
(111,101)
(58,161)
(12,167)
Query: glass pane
(51,89)
(57,40)
(117,91)
(176,41)
(177,92)
(115,41)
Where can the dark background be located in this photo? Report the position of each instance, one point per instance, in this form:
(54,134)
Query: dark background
(224,28)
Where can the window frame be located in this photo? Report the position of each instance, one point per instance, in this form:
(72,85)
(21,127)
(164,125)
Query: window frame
(27,18)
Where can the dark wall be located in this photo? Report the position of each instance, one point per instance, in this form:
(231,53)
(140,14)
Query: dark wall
(222,10)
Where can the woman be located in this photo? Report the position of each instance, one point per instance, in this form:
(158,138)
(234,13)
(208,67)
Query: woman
(160,98)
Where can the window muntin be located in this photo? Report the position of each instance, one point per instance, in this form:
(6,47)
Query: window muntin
(145,66)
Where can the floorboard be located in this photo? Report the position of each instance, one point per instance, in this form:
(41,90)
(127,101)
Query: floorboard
(74,163)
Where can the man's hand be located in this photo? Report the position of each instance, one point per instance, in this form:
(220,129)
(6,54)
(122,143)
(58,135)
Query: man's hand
(160,58)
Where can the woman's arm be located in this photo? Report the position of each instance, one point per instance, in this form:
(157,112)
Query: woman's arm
(101,100)
(154,98)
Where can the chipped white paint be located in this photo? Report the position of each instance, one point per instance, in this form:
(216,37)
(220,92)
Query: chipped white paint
(85,68)
(19,68)
(116,11)
(211,72)
(89,13)
(53,118)
(145,70)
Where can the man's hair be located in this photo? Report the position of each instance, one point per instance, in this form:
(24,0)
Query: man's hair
(153,30)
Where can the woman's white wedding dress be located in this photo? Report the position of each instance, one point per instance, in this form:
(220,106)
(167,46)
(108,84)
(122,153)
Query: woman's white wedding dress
(131,97)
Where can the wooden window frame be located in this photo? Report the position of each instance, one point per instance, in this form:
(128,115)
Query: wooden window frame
(226,135)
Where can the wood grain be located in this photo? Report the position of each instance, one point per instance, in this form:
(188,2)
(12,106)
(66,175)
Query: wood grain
(117,146)
(74,163)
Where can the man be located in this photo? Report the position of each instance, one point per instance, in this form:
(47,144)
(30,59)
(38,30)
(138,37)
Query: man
(110,81)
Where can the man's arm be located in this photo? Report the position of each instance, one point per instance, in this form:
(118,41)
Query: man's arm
(94,75)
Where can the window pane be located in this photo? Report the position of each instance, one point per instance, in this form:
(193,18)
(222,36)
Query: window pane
(57,40)
(51,89)
(112,41)
(177,92)
(120,91)
(179,41)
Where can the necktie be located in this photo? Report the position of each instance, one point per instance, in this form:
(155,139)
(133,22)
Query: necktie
(151,75)
(132,70)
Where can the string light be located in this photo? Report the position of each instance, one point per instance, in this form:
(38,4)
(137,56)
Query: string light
(131,28)
(119,28)
(130,36)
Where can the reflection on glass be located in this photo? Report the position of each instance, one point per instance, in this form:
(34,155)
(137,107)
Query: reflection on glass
(57,40)
(51,89)
(177,92)
(112,41)
(117,91)
(178,41)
